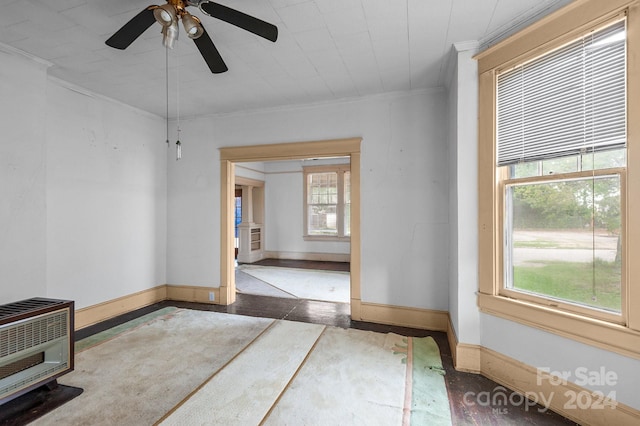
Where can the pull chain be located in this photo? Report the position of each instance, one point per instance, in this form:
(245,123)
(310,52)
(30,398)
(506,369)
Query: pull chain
(166,63)
(178,144)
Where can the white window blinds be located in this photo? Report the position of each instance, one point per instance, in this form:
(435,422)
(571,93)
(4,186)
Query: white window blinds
(570,101)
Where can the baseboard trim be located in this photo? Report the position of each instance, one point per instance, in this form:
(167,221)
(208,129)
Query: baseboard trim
(112,308)
(361,311)
(103,311)
(425,319)
(466,357)
(452,340)
(318,257)
(355,305)
(566,398)
(189,293)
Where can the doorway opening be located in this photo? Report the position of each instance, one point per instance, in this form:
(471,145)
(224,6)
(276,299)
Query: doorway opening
(294,235)
(280,152)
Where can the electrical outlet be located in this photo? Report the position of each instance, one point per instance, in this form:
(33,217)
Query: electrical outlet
(212,296)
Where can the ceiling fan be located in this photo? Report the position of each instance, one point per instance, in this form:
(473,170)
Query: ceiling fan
(173,11)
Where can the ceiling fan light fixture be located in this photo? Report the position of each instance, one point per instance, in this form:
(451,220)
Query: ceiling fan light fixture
(192,25)
(170,35)
(168,15)
(165,14)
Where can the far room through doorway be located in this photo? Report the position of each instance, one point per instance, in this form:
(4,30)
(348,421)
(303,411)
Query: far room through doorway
(231,156)
(293,228)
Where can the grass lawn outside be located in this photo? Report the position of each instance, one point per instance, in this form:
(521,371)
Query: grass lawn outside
(576,282)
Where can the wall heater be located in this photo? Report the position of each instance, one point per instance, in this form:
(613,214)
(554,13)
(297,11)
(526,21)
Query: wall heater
(36,344)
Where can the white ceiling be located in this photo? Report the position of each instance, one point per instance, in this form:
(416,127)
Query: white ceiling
(326,49)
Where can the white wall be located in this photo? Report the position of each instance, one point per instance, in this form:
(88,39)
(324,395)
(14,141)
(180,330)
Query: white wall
(22,178)
(404,190)
(83,182)
(463,196)
(106,198)
(452,98)
(529,345)
(193,206)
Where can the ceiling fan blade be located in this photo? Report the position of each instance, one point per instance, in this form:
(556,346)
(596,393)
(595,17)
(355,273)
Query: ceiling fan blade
(210,53)
(242,20)
(132,29)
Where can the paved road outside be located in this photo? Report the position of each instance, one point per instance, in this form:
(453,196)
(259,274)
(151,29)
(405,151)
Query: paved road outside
(569,246)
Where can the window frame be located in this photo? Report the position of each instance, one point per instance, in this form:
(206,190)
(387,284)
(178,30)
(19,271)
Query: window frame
(340,169)
(539,298)
(620,335)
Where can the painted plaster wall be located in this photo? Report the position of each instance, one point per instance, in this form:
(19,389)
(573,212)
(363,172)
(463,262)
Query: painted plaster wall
(22,178)
(529,345)
(452,99)
(404,189)
(83,182)
(106,197)
(463,158)
(193,207)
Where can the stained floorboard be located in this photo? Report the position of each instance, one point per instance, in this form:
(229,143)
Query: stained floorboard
(306,264)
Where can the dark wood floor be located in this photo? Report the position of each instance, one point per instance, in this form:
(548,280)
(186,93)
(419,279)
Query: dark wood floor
(464,410)
(306,264)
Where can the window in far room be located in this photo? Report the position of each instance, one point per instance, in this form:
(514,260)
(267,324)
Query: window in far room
(327,202)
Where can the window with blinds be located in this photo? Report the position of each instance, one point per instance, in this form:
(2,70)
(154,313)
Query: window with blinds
(567,102)
(561,128)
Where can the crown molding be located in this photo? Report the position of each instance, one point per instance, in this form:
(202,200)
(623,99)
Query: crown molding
(13,51)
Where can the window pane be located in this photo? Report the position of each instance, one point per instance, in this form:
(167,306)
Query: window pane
(563,240)
(605,159)
(322,188)
(523,170)
(574,163)
(561,165)
(322,203)
(347,219)
(322,220)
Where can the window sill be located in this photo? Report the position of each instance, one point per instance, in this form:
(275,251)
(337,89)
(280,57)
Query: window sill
(608,336)
(326,238)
